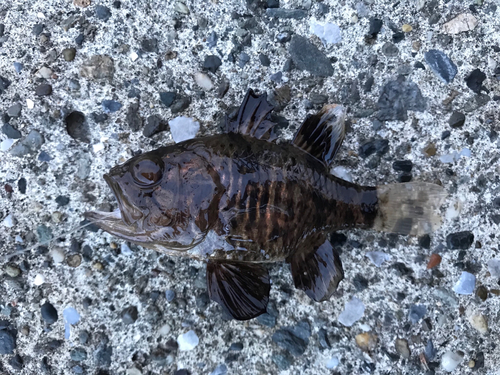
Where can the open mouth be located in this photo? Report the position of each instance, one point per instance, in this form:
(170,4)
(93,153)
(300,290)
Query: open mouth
(129,213)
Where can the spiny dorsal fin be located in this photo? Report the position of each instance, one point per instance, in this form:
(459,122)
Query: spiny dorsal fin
(322,134)
(253,118)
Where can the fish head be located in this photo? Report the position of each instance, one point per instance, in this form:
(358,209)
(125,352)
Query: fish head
(167,198)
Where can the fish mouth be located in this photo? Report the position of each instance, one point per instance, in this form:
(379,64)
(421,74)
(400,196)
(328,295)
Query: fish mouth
(123,222)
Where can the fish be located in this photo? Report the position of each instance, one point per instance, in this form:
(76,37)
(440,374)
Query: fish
(240,200)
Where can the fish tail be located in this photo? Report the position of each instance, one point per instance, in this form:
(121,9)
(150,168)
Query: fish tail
(409,208)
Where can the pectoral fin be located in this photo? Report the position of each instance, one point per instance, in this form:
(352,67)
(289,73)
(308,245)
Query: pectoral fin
(242,289)
(322,134)
(317,270)
(253,118)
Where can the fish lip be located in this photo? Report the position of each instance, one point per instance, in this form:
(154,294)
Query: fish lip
(130,214)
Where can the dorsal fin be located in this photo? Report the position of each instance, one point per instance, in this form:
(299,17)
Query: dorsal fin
(253,118)
(322,134)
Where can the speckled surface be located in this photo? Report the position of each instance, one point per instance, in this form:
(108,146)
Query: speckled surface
(115,280)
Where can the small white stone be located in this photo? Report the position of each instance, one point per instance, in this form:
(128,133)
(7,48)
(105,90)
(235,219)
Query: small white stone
(19,239)
(342,173)
(181,8)
(450,361)
(461,23)
(133,371)
(125,249)
(203,81)
(57,255)
(188,341)
(353,311)
(332,362)
(40,15)
(466,283)
(133,56)
(378,257)
(494,268)
(328,33)
(30,104)
(39,279)
(8,221)
(183,128)
(45,72)
(6,144)
(164,330)
(479,322)
(98,147)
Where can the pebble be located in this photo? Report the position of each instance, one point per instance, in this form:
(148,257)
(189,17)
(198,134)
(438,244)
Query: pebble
(164,330)
(287,340)
(264,60)
(12,270)
(327,33)
(434,261)
(18,67)
(111,106)
(342,172)
(102,12)
(416,313)
(460,240)
(150,45)
(276,77)
(475,80)
(203,81)
(378,257)
(494,268)
(397,98)
(181,8)
(306,56)
(389,49)
(332,362)
(430,352)
(154,125)
(212,39)
(282,360)
(445,296)
(133,118)
(78,354)
(6,144)
(402,166)
(45,72)
(374,27)
(98,67)
(133,371)
(402,348)
(441,65)
(456,120)
(366,341)
(10,131)
(406,28)
(8,221)
(170,295)
(57,255)
(180,105)
(479,323)
(4,84)
(212,63)
(43,89)
(451,360)
(16,362)
(69,54)
(286,13)
(243,59)
(74,260)
(461,23)
(188,341)
(39,280)
(129,315)
(49,313)
(219,370)
(378,146)
(353,311)
(183,128)
(7,342)
(466,283)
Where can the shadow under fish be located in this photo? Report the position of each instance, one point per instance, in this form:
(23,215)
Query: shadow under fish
(238,200)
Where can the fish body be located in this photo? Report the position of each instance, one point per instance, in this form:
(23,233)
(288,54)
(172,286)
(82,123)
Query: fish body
(239,199)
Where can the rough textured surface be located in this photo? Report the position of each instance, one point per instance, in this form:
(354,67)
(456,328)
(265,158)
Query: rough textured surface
(61,59)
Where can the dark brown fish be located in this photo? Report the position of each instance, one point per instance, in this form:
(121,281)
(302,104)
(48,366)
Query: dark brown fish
(238,200)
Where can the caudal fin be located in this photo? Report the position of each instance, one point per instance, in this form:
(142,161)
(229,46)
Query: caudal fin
(409,208)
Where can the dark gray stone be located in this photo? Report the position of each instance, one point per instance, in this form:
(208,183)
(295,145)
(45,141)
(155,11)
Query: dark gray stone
(290,342)
(430,352)
(14,110)
(129,315)
(460,240)
(43,89)
(441,65)
(457,119)
(111,106)
(154,125)
(402,166)
(29,145)
(475,80)
(49,313)
(78,354)
(212,63)
(397,98)
(389,49)
(102,12)
(168,98)
(77,127)
(243,59)
(306,56)
(264,60)
(282,360)
(133,118)
(378,146)
(11,132)
(180,105)
(4,84)
(416,313)
(286,13)
(150,45)
(7,342)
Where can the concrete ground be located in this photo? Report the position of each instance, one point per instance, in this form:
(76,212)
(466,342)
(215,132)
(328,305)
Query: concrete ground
(80,88)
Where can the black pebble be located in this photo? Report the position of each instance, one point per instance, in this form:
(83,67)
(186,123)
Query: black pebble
(37,29)
(49,313)
(7,341)
(167,98)
(117,4)
(445,134)
(403,165)
(212,63)
(62,201)
(99,118)
(375,27)
(182,372)
(457,120)
(129,315)
(460,240)
(405,177)
(202,300)
(180,105)
(425,241)
(76,127)
(379,146)
(154,125)
(398,37)
(496,202)
(103,13)
(16,362)
(150,45)
(21,185)
(360,282)
(475,80)
(288,65)
(419,65)
(11,132)
(43,90)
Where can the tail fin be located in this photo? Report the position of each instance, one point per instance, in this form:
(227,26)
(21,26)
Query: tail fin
(409,208)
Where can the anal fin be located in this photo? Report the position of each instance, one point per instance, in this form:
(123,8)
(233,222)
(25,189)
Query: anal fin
(317,270)
(253,118)
(242,289)
(322,134)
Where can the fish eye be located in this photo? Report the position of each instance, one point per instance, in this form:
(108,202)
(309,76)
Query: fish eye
(147,171)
